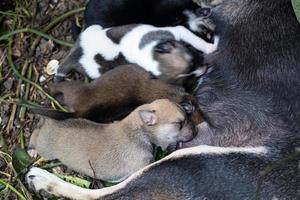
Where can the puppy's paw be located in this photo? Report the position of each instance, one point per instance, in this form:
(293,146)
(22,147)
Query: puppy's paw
(42,182)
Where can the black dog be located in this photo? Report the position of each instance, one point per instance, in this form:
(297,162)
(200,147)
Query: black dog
(109,13)
(251,104)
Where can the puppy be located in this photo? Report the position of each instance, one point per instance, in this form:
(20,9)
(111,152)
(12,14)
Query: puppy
(98,50)
(108,13)
(116,94)
(112,152)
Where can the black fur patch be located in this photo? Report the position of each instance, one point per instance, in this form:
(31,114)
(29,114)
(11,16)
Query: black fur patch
(155,36)
(117,33)
(108,65)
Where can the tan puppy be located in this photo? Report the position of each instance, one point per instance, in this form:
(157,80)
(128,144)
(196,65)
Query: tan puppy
(113,151)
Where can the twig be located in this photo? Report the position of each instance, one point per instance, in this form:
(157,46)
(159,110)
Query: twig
(94,174)
(10,122)
(3,144)
(2,58)
(21,102)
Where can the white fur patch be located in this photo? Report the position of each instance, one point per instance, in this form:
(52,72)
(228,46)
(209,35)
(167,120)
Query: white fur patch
(205,149)
(182,33)
(192,21)
(95,41)
(129,47)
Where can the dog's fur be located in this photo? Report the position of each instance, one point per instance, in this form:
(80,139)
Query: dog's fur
(154,12)
(97,50)
(112,152)
(251,98)
(116,94)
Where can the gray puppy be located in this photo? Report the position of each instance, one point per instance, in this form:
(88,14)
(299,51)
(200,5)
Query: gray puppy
(113,151)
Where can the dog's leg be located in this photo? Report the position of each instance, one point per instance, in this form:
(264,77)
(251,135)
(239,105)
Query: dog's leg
(48,184)
(69,63)
(160,173)
(187,36)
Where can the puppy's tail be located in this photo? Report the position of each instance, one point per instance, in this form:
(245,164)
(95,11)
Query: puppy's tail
(54,114)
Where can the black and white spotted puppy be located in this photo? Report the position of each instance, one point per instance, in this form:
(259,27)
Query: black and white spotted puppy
(98,50)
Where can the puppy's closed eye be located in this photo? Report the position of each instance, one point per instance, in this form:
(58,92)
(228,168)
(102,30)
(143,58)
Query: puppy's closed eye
(179,123)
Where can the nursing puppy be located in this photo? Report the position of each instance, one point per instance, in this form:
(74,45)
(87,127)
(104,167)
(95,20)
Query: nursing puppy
(99,50)
(116,94)
(108,13)
(112,152)
(251,104)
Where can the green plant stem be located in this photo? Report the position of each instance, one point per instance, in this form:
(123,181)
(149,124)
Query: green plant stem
(21,102)
(30,30)
(23,108)
(12,189)
(11,14)
(10,61)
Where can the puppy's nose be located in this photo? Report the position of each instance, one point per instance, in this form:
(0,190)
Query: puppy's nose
(188,107)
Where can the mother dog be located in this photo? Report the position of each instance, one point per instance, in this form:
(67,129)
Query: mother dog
(249,144)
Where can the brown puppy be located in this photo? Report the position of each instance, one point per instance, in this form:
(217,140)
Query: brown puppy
(116,94)
(113,151)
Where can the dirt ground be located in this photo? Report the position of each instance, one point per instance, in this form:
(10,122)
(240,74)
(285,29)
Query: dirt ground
(23,58)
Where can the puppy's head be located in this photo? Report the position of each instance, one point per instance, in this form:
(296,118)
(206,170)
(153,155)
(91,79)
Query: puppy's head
(176,58)
(200,22)
(165,123)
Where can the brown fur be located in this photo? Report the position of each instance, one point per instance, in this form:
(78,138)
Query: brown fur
(118,92)
(113,151)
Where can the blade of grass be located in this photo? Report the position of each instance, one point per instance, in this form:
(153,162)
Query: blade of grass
(37,32)
(2,182)
(23,108)
(11,14)
(10,61)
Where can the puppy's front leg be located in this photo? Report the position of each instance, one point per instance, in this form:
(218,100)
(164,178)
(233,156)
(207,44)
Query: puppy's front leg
(48,184)
(187,36)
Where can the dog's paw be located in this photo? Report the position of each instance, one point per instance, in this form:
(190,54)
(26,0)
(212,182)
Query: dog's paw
(42,182)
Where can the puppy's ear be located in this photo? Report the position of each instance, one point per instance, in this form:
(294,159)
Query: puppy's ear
(164,47)
(148,117)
